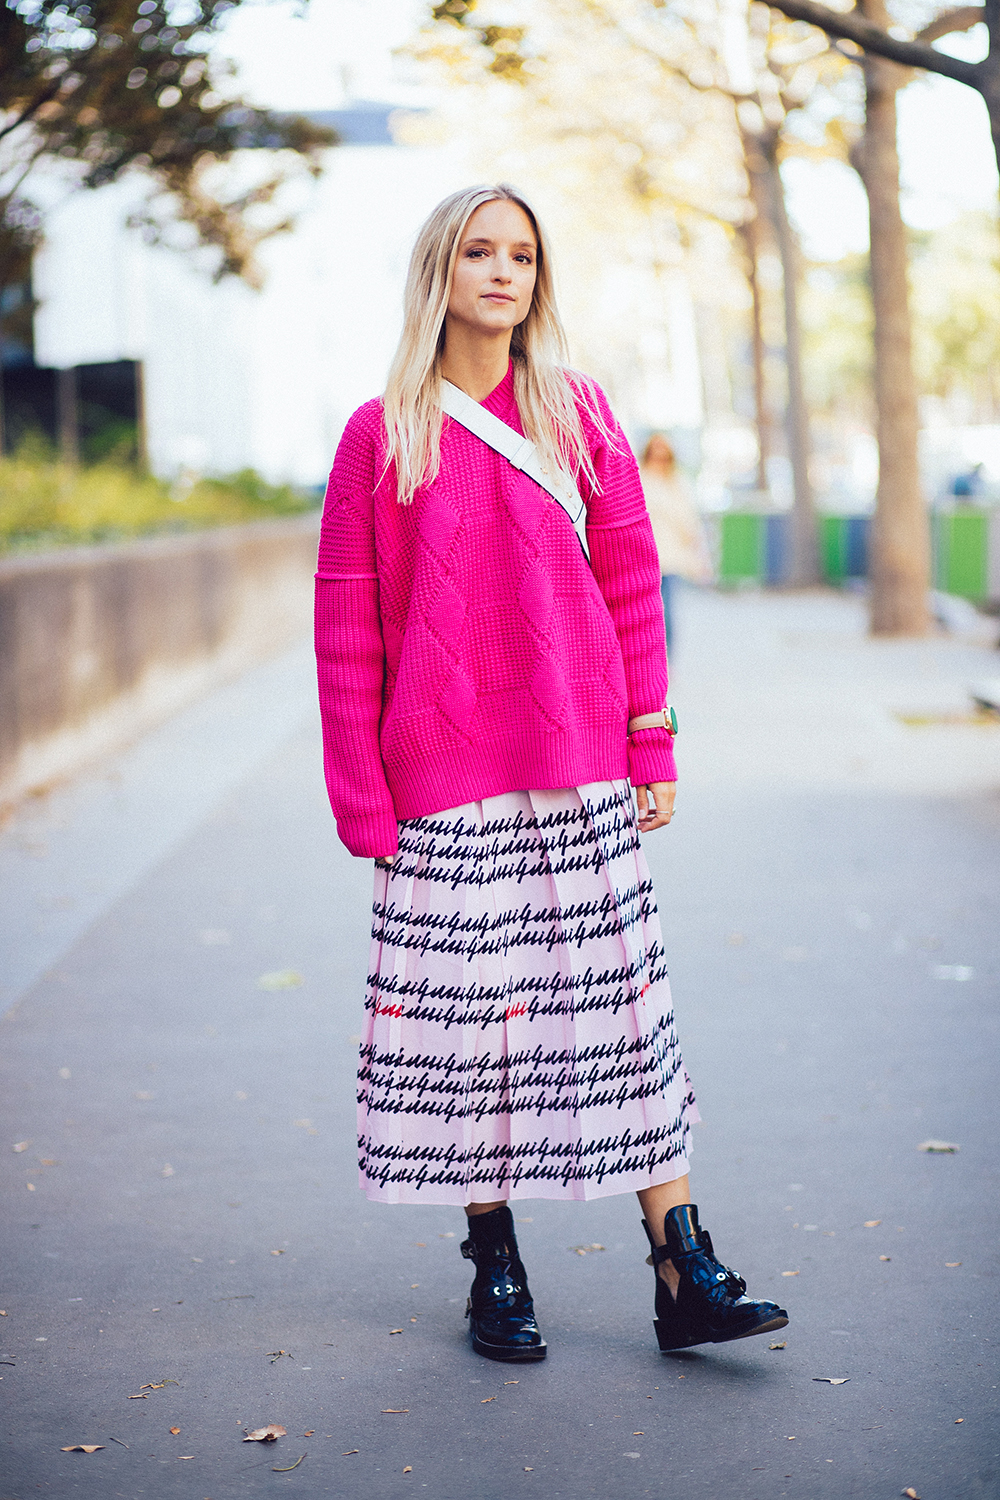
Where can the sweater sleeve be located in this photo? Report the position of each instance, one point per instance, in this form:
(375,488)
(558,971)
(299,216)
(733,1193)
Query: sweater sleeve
(626,566)
(350,655)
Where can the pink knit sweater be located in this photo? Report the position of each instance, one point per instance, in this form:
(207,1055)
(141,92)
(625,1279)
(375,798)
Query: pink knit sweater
(464,646)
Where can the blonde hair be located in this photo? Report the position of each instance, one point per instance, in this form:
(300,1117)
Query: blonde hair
(545,391)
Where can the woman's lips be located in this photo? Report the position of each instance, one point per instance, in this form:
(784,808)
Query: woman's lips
(497,297)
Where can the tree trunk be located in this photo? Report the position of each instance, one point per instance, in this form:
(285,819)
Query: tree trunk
(990,80)
(804,562)
(900,539)
(749,233)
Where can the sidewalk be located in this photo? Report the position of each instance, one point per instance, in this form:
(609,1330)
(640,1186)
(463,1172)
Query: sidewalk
(185,1207)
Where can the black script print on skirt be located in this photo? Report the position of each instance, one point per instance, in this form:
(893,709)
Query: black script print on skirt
(519,1035)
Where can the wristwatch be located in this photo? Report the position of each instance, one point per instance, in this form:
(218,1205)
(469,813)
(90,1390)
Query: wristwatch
(665,719)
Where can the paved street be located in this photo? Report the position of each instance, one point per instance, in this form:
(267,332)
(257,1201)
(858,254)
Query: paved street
(182,1221)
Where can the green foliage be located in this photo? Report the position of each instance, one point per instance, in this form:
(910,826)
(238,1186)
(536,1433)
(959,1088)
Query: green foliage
(44,503)
(956,301)
(837,331)
(955,304)
(117,84)
(501,44)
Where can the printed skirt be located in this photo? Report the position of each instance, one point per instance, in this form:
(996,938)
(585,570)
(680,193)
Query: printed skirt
(519,1038)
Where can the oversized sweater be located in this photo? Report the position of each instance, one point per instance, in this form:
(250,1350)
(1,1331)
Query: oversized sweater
(464,646)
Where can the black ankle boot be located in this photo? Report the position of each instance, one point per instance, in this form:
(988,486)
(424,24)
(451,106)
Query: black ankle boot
(500,1311)
(710,1307)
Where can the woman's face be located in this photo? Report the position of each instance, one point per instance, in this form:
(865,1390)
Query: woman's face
(494,276)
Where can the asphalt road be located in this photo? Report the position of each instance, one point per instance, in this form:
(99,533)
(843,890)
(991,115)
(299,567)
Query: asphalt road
(184,1244)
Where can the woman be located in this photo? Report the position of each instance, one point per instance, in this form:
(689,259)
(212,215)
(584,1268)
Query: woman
(677,528)
(477,682)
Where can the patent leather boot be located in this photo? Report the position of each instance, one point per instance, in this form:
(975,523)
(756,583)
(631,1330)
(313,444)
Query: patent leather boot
(711,1306)
(500,1311)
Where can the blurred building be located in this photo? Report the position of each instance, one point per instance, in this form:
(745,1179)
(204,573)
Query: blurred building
(216,378)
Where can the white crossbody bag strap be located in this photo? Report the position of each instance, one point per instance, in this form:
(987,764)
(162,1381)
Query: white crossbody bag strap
(518,451)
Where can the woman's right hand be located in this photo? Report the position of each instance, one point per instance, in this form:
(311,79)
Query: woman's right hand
(385,861)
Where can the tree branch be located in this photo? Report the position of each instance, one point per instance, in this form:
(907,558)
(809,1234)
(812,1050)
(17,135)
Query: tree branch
(32,109)
(962,19)
(850,27)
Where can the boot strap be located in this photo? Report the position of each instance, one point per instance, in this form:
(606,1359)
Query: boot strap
(659,1254)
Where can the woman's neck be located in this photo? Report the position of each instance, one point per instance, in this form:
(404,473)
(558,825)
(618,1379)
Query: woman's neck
(474,363)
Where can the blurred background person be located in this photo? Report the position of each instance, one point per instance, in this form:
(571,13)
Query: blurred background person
(677,527)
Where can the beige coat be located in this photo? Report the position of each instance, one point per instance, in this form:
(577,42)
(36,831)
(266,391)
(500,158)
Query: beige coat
(677,527)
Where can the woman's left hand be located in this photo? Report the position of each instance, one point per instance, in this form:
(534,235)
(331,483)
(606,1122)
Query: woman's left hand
(663,793)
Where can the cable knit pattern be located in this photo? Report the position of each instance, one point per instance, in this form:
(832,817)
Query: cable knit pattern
(464,647)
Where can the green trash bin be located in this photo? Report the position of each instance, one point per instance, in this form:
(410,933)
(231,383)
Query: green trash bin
(741,553)
(961,553)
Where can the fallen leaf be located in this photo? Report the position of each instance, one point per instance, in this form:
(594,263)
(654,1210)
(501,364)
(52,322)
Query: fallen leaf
(911,1494)
(394,1330)
(487,1398)
(413,1320)
(959,1421)
(512,1382)
(82,1448)
(638,1434)
(408,1469)
(872,1223)
(349,1451)
(289,1468)
(280,979)
(23,1146)
(414,1285)
(310,1433)
(268,1434)
(3,1312)
(121,1444)
(791,1273)
(942,1147)
(782,1345)
(791,1440)
(885,1257)
(528,1470)
(951,1264)
(139,1396)
(276,1354)
(31,1187)
(395,1411)
(277,1252)
(183,1457)
(833,1379)
(585,1249)
(175,1430)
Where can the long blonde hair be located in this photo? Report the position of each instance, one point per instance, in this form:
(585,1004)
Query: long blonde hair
(543,388)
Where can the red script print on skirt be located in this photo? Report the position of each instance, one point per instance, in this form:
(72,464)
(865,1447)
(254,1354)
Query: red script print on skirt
(519,1034)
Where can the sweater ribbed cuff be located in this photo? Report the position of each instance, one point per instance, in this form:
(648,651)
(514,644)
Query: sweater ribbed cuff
(651,757)
(369,836)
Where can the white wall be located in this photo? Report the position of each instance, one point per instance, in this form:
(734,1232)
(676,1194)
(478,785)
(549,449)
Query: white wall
(235,377)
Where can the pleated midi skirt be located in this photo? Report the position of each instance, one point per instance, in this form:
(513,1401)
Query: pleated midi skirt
(519,1038)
